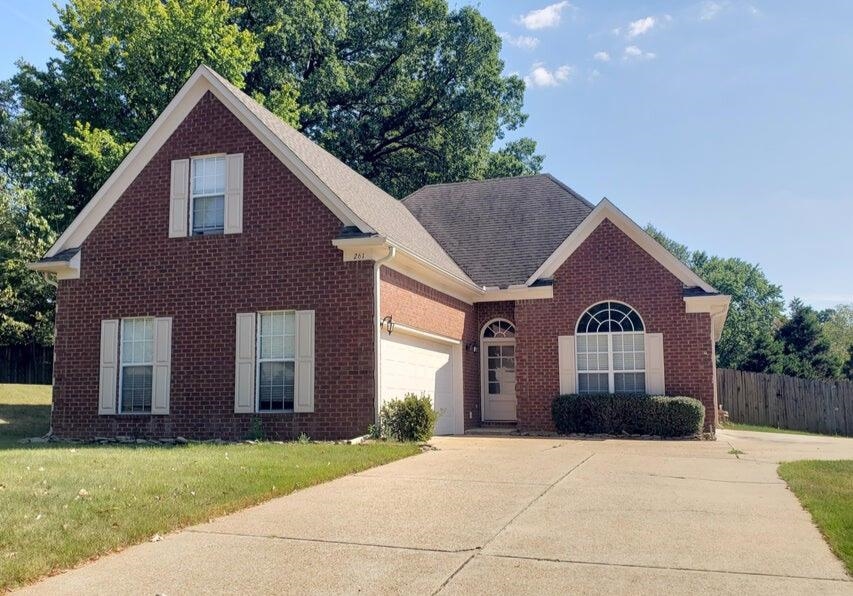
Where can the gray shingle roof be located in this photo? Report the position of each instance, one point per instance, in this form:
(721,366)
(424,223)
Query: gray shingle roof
(371,204)
(61,257)
(500,231)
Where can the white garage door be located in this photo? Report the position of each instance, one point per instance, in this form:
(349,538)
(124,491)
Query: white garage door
(412,364)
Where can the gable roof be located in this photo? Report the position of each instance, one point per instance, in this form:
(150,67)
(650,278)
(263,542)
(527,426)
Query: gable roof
(499,231)
(352,198)
(607,210)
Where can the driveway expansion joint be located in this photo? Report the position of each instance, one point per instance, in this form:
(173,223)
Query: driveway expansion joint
(665,568)
(339,542)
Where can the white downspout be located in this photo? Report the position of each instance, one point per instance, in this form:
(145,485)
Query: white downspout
(377,323)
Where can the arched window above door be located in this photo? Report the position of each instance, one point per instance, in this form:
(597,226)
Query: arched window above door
(499,329)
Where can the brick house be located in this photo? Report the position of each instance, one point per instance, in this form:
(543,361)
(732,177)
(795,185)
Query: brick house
(232,271)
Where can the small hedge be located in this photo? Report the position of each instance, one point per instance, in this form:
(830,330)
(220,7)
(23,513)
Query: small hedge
(628,414)
(409,419)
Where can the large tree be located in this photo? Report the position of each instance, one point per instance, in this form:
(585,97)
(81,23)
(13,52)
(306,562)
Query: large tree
(407,92)
(838,327)
(118,65)
(807,350)
(756,302)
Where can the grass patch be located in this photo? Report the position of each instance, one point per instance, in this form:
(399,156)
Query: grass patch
(769,429)
(131,493)
(24,412)
(825,489)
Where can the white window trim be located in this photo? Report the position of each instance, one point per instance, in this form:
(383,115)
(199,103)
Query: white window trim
(192,196)
(259,360)
(122,365)
(611,372)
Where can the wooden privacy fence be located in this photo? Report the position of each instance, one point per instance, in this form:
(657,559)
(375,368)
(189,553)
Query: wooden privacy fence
(787,402)
(31,364)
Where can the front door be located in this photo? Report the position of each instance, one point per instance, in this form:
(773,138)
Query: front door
(499,403)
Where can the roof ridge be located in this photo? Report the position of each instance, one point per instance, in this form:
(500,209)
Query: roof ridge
(570,190)
(480,181)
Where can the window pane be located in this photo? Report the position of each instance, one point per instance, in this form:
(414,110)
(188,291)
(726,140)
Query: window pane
(494,351)
(494,388)
(629,382)
(275,388)
(209,176)
(592,383)
(208,214)
(137,341)
(136,388)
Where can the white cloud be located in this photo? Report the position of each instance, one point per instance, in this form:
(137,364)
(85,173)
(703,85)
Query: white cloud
(543,18)
(635,53)
(710,9)
(525,42)
(540,76)
(640,26)
(616,30)
(601,56)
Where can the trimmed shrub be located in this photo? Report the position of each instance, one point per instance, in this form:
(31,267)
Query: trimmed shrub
(409,419)
(628,414)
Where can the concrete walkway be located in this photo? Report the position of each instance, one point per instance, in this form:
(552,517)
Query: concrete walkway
(511,515)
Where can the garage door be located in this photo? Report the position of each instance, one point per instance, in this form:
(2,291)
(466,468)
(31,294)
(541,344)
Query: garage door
(418,365)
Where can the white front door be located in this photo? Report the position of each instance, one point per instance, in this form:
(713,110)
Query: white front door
(418,365)
(498,366)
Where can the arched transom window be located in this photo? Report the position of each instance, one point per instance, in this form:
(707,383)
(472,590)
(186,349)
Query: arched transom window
(611,350)
(499,329)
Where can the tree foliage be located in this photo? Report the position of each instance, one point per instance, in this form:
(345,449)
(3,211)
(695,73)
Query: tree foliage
(119,64)
(758,336)
(807,349)
(407,92)
(756,302)
(838,327)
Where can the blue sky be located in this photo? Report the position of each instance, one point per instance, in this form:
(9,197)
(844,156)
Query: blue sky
(727,124)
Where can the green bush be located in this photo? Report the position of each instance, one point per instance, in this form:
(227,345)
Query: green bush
(409,419)
(630,414)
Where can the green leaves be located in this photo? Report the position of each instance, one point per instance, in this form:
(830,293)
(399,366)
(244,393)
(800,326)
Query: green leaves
(407,92)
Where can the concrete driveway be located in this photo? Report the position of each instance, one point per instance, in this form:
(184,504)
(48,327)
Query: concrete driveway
(511,515)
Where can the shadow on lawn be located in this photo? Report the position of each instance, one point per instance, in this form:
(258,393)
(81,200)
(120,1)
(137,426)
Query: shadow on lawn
(18,421)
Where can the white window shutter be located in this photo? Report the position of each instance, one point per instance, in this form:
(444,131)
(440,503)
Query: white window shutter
(179,198)
(568,364)
(304,398)
(244,382)
(162,365)
(655,378)
(234,193)
(108,384)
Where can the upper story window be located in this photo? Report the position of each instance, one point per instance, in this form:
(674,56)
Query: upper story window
(208,195)
(137,365)
(611,350)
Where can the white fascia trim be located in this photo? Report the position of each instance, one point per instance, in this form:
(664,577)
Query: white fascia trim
(370,248)
(607,210)
(425,334)
(517,293)
(717,306)
(201,81)
(63,269)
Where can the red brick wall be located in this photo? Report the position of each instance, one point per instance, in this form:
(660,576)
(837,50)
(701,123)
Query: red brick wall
(610,266)
(417,305)
(283,260)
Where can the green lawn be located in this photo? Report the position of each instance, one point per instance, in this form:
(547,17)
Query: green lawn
(767,429)
(825,488)
(24,412)
(63,504)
